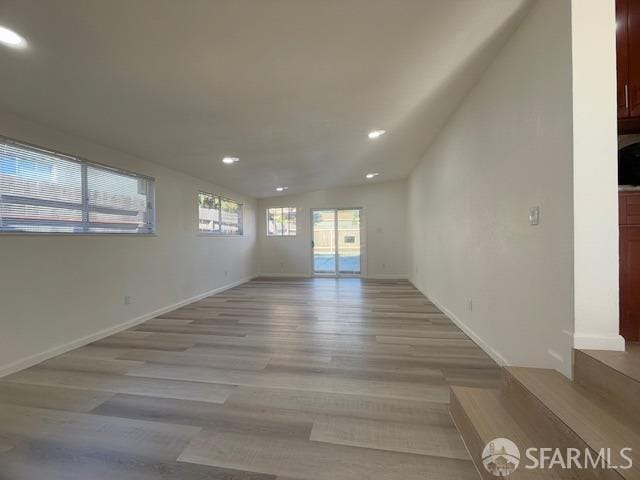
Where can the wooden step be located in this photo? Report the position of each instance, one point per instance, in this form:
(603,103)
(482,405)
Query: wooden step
(482,415)
(574,415)
(612,375)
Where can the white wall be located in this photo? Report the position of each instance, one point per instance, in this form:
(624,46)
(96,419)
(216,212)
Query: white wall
(385,220)
(508,147)
(55,290)
(595,193)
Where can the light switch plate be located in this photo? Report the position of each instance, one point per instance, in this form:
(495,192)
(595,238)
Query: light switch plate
(534,215)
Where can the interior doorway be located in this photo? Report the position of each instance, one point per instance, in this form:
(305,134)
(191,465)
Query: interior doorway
(336,241)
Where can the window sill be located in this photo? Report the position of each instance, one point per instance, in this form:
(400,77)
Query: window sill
(220,235)
(81,234)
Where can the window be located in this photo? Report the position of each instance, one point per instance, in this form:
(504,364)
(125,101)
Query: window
(281,221)
(209,213)
(47,192)
(219,216)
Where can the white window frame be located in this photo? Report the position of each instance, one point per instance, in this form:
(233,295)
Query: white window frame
(280,235)
(220,233)
(84,206)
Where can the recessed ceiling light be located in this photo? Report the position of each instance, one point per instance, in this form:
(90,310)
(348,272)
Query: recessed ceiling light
(376,134)
(11,38)
(281,189)
(230,160)
(372,175)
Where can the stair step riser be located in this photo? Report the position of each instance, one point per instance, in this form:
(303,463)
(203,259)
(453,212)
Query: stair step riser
(471,424)
(544,427)
(620,390)
(469,434)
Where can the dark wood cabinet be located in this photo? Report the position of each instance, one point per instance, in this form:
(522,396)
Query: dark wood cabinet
(628,65)
(633,35)
(629,203)
(622,56)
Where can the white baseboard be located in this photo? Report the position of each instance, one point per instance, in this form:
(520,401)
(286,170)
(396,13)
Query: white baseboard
(386,276)
(598,342)
(285,275)
(60,349)
(488,349)
(381,276)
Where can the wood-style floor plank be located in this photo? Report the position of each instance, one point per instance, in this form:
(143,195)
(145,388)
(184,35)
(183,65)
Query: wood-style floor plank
(52,397)
(397,437)
(205,392)
(151,440)
(234,362)
(345,405)
(78,363)
(38,459)
(305,379)
(319,461)
(434,388)
(253,420)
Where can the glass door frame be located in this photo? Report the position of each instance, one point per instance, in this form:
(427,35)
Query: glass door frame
(337,273)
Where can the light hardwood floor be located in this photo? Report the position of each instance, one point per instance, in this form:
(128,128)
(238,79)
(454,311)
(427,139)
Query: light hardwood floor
(317,379)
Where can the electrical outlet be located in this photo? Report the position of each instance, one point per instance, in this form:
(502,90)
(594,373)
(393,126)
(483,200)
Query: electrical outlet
(127,300)
(470,304)
(226,273)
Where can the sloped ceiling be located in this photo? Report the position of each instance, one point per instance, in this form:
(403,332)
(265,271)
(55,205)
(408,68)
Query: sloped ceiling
(290,86)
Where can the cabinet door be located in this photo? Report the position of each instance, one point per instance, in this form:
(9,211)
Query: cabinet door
(629,208)
(633,34)
(622,56)
(630,283)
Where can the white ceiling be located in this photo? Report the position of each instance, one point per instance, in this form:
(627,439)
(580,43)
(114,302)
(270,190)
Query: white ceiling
(290,86)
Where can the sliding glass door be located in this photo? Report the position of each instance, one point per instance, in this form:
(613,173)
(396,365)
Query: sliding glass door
(349,241)
(336,241)
(324,241)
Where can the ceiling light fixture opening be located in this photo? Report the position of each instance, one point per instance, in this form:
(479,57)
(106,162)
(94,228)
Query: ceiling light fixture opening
(230,160)
(281,189)
(11,38)
(372,175)
(376,134)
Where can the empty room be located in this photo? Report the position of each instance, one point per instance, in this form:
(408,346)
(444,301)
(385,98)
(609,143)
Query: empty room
(319,239)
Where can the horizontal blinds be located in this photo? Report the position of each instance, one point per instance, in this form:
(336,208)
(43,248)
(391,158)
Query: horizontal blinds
(208,213)
(117,201)
(42,191)
(219,215)
(230,217)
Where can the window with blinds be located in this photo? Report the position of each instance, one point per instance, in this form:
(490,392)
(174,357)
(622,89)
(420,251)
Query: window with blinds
(218,215)
(47,192)
(281,222)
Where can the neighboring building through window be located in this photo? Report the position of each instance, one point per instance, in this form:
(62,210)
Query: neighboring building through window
(46,192)
(218,215)
(281,221)
(208,213)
